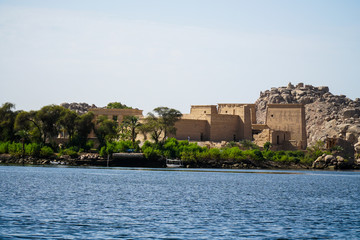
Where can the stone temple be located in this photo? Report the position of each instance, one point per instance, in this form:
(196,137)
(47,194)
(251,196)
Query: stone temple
(284,126)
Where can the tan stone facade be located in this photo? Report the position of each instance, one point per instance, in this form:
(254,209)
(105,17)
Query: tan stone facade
(225,122)
(284,127)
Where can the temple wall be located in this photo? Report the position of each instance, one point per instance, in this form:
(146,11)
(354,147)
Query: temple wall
(196,130)
(289,118)
(225,128)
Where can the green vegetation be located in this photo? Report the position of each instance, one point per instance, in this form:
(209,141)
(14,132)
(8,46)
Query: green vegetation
(34,133)
(191,152)
(30,149)
(117,105)
(161,123)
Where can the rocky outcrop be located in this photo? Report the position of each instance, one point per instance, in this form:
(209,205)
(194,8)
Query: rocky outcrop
(327,115)
(80,108)
(332,162)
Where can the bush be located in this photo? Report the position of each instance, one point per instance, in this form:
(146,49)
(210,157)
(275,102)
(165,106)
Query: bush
(46,151)
(247,144)
(267,146)
(15,149)
(69,151)
(121,146)
(152,153)
(89,145)
(214,153)
(235,153)
(4,147)
(32,149)
(268,155)
(254,154)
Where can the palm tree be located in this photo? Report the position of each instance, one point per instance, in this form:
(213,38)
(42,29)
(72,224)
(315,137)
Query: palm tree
(24,135)
(132,122)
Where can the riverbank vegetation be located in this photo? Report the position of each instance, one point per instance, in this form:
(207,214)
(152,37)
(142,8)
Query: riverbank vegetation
(35,134)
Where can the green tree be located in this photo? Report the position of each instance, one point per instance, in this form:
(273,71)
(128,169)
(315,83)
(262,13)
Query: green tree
(48,117)
(168,117)
(117,105)
(27,121)
(132,123)
(161,123)
(84,125)
(24,135)
(106,130)
(7,121)
(68,121)
(153,126)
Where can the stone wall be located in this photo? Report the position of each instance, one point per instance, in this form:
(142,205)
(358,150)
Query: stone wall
(288,118)
(225,128)
(196,130)
(228,122)
(327,115)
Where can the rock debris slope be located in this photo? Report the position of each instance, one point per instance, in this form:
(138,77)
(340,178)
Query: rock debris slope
(327,115)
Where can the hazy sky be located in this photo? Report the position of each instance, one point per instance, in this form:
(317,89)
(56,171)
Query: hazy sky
(174,53)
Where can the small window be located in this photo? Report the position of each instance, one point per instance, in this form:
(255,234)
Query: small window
(272,115)
(115,118)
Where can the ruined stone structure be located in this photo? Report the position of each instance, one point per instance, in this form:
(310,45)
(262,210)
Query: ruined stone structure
(284,127)
(225,122)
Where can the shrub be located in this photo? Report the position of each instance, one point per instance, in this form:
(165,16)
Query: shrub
(4,147)
(15,149)
(152,153)
(267,146)
(89,144)
(247,144)
(254,154)
(46,151)
(214,153)
(268,155)
(69,151)
(32,149)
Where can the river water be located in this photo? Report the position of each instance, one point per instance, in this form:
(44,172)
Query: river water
(113,203)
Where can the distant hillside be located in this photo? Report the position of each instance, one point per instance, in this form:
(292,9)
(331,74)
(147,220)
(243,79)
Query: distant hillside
(327,115)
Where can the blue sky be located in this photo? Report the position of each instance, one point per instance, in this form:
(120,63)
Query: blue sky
(174,53)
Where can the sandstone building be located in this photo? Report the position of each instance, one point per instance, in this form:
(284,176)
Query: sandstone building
(284,126)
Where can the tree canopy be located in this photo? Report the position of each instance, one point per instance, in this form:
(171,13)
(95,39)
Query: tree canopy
(162,122)
(117,105)
(7,120)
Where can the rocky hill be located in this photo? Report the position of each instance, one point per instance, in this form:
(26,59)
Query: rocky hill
(80,108)
(327,115)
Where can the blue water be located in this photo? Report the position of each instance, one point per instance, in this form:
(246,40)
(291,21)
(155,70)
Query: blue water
(91,203)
